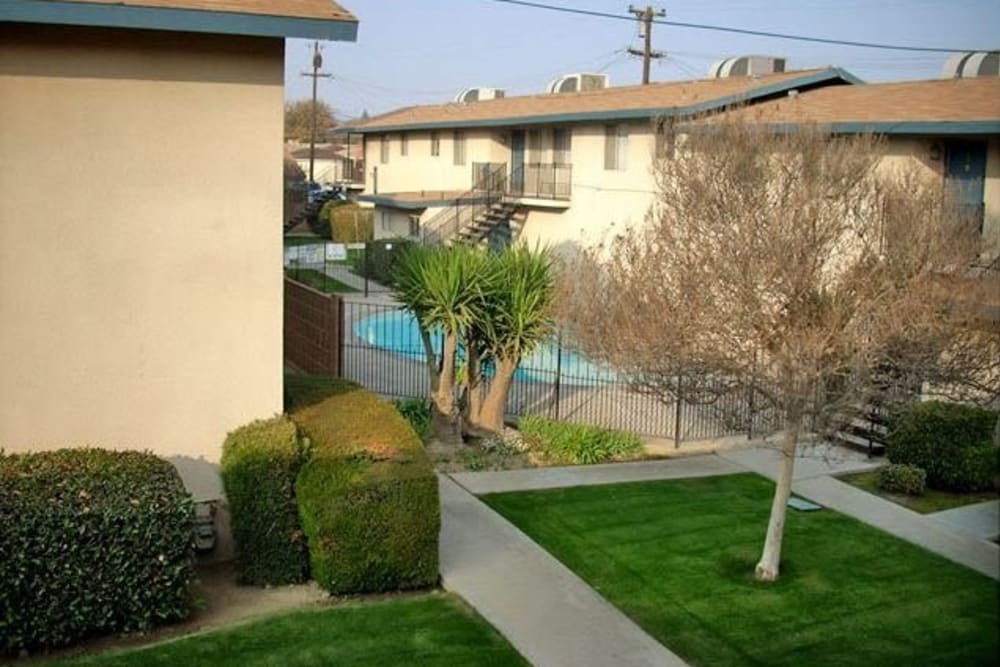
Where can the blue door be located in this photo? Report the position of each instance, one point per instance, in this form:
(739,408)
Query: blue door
(517,161)
(966,175)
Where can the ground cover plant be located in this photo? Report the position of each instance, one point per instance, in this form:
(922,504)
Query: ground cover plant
(677,557)
(428,630)
(932,500)
(567,443)
(320,281)
(92,542)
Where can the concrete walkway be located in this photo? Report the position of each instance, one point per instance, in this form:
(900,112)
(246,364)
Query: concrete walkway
(549,614)
(981,520)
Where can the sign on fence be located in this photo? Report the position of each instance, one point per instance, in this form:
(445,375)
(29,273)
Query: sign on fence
(336,252)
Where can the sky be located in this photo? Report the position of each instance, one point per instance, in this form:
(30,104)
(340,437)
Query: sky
(426,51)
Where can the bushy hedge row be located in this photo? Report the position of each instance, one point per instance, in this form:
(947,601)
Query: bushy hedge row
(259,464)
(566,443)
(368,497)
(378,261)
(951,442)
(93,542)
(348,222)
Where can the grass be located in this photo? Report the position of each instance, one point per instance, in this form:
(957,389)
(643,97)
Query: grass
(932,500)
(678,558)
(429,630)
(320,281)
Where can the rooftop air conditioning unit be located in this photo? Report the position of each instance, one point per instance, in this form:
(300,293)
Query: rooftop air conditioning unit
(479,94)
(746,66)
(972,63)
(575,83)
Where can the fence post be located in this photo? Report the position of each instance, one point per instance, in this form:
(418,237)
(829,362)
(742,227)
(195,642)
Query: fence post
(558,370)
(678,401)
(750,405)
(365,260)
(341,329)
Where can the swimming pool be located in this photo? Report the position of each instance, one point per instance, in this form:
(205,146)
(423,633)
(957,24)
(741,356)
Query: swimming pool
(397,332)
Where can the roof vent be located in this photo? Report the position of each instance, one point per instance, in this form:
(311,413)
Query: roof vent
(746,66)
(575,83)
(479,94)
(971,64)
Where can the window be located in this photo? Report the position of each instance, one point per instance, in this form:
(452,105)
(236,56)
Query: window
(459,147)
(615,147)
(535,145)
(414,225)
(385,218)
(561,145)
(383,149)
(435,144)
(404,144)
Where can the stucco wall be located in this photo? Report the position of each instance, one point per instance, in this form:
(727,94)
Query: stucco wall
(140,268)
(419,170)
(991,196)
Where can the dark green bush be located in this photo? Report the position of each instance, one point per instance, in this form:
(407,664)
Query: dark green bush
(259,464)
(902,478)
(566,443)
(368,496)
(378,261)
(418,412)
(93,542)
(952,442)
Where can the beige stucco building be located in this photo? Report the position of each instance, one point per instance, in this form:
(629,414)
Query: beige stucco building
(140,276)
(576,167)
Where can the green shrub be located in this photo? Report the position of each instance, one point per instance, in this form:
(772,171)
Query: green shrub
(368,496)
(259,464)
(952,442)
(93,542)
(567,443)
(378,261)
(902,478)
(349,223)
(302,390)
(418,412)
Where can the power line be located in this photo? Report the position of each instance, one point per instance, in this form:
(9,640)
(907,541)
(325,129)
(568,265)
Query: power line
(646,17)
(741,31)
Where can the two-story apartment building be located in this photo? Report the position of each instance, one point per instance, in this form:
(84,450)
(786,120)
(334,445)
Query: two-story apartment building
(572,167)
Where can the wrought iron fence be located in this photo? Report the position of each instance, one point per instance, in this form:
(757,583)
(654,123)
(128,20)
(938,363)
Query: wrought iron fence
(540,180)
(382,351)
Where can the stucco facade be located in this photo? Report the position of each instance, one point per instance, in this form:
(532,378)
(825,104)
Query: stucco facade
(140,276)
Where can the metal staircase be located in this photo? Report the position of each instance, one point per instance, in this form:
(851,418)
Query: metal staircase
(484,214)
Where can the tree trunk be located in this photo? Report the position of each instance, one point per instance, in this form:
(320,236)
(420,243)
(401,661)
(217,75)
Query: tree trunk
(494,406)
(445,418)
(770,561)
(473,385)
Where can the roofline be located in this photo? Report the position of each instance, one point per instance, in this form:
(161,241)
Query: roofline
(825,76)
(388,200)
(61,12)
(915,127)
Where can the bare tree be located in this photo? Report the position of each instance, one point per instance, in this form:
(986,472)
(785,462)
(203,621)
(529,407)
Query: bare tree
(794,265)
(299,120)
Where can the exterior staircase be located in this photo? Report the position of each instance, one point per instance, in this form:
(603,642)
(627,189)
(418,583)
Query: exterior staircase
(483,215)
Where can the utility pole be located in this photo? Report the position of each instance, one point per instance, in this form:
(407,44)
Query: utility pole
(316,75)
(646,16)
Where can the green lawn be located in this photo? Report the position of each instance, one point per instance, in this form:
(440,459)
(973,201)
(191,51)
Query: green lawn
(931,501)
(429,630)
(320,281)
(678,558)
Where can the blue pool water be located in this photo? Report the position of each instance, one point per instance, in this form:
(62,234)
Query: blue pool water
(397,332)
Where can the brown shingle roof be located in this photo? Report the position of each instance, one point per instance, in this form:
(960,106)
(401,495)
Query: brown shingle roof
(312,9)
(609,102)
(941,100)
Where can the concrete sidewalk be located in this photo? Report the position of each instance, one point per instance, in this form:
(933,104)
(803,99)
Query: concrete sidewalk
(548,613)
(981,520)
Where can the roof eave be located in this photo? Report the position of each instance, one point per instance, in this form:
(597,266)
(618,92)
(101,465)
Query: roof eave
(57,12)
(826,76)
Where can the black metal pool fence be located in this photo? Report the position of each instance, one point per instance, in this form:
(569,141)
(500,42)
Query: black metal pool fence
(382,351)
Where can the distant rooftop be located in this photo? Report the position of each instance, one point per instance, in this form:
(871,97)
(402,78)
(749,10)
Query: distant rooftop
(318,19)
(946,106)
(616,103)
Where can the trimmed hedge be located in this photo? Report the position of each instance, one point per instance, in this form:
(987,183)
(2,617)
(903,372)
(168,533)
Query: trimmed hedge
(368,497)
(259,464)
(566,443)
(379,260)
(349,223)
(94,542)
(902,478)
(950,441)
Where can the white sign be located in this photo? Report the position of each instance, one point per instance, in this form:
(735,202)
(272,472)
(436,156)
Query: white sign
(336,251)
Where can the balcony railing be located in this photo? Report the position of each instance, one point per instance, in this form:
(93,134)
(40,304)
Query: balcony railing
(539,180)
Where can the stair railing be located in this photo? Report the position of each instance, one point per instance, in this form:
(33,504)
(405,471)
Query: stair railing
(489,186)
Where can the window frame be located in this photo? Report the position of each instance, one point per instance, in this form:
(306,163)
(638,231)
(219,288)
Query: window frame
(459,157)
